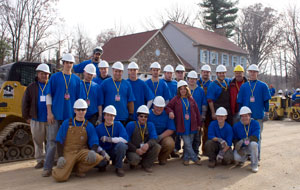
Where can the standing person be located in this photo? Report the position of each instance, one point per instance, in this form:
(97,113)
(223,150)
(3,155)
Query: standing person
(164,126)
(172,84)
(220,134)
(97,52)
(118,92)
(272,90)
(255,95)
(180,72)
(89,92)
(142,145)
(113,139)
(158,86)
(77,143)
(246,137)
(296,95)
(34,111)
(103,69)
(142,93)
(218,94)
(63,90)
(187,119)
(235,86)
(199,96)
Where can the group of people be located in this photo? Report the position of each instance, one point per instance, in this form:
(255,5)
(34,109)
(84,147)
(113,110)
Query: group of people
(88,123)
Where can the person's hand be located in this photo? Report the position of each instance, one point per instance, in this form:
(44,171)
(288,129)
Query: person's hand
(99,120)
(92,157)
(171,115)
(139,151)
(104,154)
(145,147)
(50,118)
(239,144)
(106,139)
(61,162)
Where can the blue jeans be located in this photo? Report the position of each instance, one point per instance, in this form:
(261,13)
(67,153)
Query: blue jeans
(116,154)
(188,153)
(261,124)
(252,150)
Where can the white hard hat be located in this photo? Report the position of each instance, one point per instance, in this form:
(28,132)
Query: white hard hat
(192,74)
(298,90)
(143,109)
(280,91)
(180,68)
(245,110)
(181,83)
(221,68)
(206,68)
(159,101)
(253,67)
(43,67)
(221,111)
(133,65)
(110,109)
(90,69)
(118,65)
(80,104)
(155,65)
(68,57)
(103,64)
(98,50)
(169,68)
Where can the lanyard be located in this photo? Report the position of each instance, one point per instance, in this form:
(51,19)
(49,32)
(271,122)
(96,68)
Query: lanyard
(193,90)
(155,89)
(222,85)
(142,132)
(247,131)
(87,91)
(67,85)
(81,124)
(112,130)
(118,89)
(186,105)
(252,90)
(237,86)
(43,88)
(202,85)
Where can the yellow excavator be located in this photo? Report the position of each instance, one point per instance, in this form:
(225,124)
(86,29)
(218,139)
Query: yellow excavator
(15,136)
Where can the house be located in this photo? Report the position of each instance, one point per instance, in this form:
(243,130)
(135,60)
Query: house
(198,47)
(143,48)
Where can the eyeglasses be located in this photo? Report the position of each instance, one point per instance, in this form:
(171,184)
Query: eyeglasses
(143,116)
(81,109)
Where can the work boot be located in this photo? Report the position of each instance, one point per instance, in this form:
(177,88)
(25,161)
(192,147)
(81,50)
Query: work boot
(39,165)
(81,175)
(148,170)
(186,162)
(47,173)
(132,166)
(174,155)
(162,162)
(102,169)
(211,163)
(120,172)
(198,162)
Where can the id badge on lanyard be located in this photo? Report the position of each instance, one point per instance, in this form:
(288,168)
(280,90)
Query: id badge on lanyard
(247,142)
(117,98)
(187,116)
(67,96)
(252,99)
(142,144)
(88,102)
(42,98)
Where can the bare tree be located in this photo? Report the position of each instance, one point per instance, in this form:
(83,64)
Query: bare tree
(4,43)
(83,46)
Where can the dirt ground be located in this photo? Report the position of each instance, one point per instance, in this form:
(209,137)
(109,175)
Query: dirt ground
(279,169)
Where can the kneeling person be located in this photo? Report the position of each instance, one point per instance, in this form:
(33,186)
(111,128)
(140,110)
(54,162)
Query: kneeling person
(218,146)
(165,127)
(72,139)
(113,138)
(142,145)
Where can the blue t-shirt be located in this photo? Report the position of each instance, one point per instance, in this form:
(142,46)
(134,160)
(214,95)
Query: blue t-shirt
(172,87)
(99,80)
(214,90)
(162,122)
(151,129)
(203,84)
(41,105)
(109,92)
(239,131)
(90,130)
(272,91)
(118,130)
(225,132)
(261,95)
(94,97)
(142,94)
(161,90)
(63,109)
(296,96)
(79,68)
(187,123)
(200,98)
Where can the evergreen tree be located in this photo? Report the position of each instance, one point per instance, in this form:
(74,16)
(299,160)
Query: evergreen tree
(220,14)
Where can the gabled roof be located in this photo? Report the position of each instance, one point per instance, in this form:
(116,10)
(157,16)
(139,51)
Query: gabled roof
(206,38)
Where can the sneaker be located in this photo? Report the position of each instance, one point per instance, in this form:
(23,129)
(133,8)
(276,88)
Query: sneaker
(255,169)
(81,175)
(148,170)
(39,165)
(120,172)
(186,162)
(198,162)
(211,163)
(47,173)
(162,162)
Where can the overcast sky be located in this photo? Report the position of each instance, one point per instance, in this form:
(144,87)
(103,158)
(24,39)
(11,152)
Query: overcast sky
(97,15)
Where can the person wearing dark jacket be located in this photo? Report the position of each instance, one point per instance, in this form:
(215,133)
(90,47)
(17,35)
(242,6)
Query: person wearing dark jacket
(34,111)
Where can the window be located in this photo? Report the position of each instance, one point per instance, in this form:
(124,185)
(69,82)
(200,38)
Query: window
(235,61)
(213,77)
(213,58)
(225,59)
(243,62)
(204,56)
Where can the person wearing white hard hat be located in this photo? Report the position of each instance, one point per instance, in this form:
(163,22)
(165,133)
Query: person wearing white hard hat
(187,120)
(255,95)
(158,86)
(172,84)
(142,146)
(296,95)
(64,89)
(200,98)
(218,146)
(77,144)
(118,92)
(280,92)
(34,111)
(97,53)
(103,69)
(89,91)
(218,94)
(179,72)
(142,93)
(165,128)
(246,138)
(113,140)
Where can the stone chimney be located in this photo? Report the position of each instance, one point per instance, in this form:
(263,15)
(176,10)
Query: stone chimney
(220,31)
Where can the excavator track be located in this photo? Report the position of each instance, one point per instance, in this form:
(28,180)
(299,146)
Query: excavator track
(16,143)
